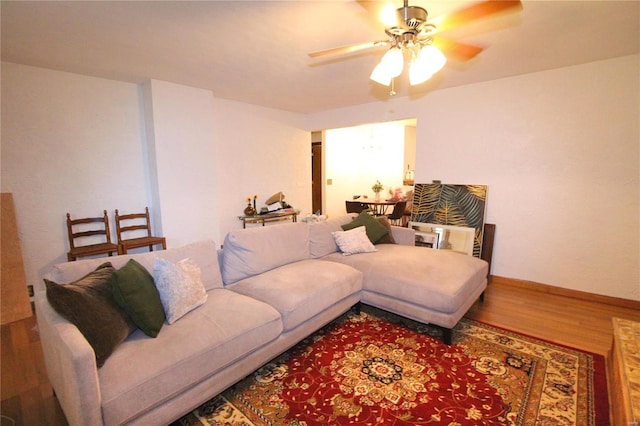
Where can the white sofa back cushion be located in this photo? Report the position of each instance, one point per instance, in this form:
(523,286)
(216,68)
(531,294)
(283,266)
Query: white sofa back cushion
(321,240)
(252,251)
(203,253)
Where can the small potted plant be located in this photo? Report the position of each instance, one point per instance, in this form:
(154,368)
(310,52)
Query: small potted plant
(377,188)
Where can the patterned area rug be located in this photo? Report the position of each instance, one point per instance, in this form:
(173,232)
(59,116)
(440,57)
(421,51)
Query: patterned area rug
(380,369)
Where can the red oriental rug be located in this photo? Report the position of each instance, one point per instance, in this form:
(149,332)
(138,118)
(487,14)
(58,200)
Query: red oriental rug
(380,369)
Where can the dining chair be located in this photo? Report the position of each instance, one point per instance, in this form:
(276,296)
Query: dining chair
(355,206)
(397,214)
(89,227)
(136,222)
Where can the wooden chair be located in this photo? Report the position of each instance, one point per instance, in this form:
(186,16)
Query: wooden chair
(145,225)
(81,226)
(396,216)
(355,206)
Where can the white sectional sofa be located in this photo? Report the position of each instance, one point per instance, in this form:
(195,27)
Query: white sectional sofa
(269,288)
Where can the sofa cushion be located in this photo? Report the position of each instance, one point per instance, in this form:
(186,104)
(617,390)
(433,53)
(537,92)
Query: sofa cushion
(89,305)
(353,241)
(439,280)
(180,287)
(301,290)
(321,241)
(251,251)
(144,373)
(204,253)
(135,292)
(375,230)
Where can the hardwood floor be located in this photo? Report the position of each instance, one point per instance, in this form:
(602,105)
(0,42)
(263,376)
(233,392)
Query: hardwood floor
(27,397)
(533,310)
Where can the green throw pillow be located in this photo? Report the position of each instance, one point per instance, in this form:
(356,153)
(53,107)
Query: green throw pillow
(89,305)
(375,230)
(135,292)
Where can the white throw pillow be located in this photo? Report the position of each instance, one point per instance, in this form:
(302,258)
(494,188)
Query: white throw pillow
(353,241)
(180,287)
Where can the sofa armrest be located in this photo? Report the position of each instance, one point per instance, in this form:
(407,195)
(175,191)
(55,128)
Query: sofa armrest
(71,365)
(404,236)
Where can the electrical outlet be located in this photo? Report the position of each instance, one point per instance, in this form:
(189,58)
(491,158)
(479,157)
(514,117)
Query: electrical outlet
(30,290)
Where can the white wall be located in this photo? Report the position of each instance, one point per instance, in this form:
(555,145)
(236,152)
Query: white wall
(69,144)
(259,151)
(182,140)
(559,151)
(211,154)
(409,149)
(78,144)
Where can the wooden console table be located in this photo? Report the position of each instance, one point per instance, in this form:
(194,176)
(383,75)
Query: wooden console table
(269,217)
(625,369)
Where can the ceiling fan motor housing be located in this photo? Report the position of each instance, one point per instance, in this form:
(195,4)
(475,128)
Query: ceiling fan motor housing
(412,28)
(413,16)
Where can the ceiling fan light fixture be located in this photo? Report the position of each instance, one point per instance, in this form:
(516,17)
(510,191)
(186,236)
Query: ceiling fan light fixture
(393,61)
(380,75)
(410,34)
(418,74)
(429,61)
(432,57)
(390,66)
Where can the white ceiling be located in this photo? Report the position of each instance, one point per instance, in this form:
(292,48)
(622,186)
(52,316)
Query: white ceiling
(256,51)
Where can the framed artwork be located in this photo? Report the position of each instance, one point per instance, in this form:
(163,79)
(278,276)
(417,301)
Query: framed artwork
(461,206)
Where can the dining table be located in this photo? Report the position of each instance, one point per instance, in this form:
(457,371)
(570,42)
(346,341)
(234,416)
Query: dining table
(380,207)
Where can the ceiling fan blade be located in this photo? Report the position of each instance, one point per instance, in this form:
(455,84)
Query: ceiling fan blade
(474,13)
(455,49)
(384,12)
(345,49)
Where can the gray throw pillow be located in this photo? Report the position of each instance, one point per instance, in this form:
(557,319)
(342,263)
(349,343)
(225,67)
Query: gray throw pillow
(89,305)
(386,239)
(135,291)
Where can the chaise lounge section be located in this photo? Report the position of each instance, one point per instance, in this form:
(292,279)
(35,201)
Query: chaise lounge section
(435,287)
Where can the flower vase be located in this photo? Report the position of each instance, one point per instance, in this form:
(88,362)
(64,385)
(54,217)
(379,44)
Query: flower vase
(249,210)
(377,197)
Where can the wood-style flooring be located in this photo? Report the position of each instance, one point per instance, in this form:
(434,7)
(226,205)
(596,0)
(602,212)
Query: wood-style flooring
(27,397)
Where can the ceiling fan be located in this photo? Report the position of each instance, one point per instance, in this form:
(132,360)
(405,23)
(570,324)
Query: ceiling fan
(411,34)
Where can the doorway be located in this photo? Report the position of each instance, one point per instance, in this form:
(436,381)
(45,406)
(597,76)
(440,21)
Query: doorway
(346,162)
(316,177)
